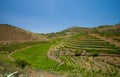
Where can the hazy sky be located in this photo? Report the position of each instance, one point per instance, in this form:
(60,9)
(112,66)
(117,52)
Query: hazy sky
(44,16)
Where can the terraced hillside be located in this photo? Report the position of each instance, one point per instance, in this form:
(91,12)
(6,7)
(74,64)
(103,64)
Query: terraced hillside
(92,44)
(89,56)
(12,34)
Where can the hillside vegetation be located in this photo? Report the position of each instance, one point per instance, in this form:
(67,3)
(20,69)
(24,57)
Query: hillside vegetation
(87,56)
(73,52)
(109,31)
(12,34)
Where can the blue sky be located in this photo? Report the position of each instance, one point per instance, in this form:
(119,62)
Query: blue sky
(43,16)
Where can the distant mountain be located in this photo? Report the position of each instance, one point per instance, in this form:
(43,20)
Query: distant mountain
(12,34)
(67,32)
(108,31)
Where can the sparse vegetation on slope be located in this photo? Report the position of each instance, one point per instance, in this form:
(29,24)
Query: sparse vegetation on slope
(74,52)
(88,56)
(11,34)
(109,31)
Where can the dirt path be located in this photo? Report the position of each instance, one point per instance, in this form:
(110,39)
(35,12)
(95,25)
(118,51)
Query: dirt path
(117,44)
(10,55)
(42,74)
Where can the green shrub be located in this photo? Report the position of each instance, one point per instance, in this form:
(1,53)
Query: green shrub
(95,54)
(21,63)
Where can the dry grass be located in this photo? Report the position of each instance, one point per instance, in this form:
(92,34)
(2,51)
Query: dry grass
(11,34)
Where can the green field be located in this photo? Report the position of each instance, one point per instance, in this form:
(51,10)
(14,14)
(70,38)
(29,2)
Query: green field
(36,56)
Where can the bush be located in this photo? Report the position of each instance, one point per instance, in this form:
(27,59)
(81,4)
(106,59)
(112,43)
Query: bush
(21,63)
(95,54)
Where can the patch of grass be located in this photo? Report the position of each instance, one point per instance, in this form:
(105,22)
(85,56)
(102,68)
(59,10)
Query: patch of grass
(16,46)
(4,58)
(37,56)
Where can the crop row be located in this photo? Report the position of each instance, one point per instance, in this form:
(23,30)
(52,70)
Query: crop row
(89,66)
